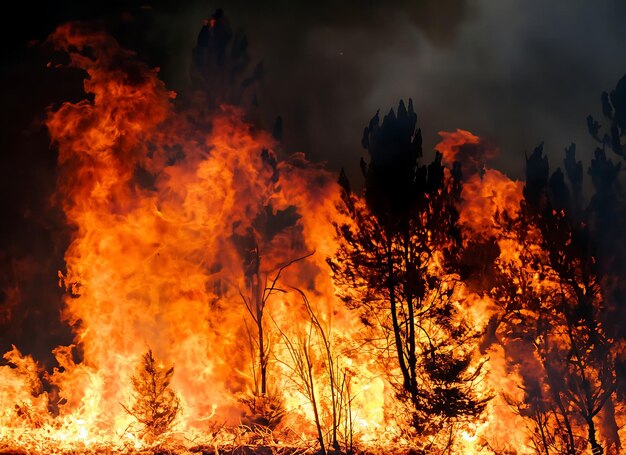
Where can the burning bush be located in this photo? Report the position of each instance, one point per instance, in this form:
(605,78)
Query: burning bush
(266,410)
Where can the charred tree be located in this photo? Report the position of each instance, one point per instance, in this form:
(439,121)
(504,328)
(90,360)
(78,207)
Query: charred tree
(313,346)
(607,217)
(562,299)
(388,267)
(588,371)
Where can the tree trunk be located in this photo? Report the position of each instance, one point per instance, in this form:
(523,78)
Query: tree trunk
(596,448)
(318,423)
(262,356)
(396,327)
(412,358)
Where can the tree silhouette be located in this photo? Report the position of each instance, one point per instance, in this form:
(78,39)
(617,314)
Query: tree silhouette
(155,405)
(607,207)
(394,265)
(221,65)
(554,319)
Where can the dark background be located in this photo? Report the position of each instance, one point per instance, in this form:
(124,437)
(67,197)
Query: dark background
(516,72)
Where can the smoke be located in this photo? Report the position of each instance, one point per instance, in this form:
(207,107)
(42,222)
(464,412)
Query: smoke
(515,73)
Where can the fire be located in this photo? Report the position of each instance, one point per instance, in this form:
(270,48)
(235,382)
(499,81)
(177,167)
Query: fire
(180,232)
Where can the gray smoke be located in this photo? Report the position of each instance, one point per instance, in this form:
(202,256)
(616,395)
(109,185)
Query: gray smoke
(515,72)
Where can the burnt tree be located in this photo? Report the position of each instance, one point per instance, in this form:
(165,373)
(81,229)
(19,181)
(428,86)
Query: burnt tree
(394,265)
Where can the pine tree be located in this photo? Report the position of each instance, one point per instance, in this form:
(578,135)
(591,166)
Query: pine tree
(553,319)
(388,267)
(155,405)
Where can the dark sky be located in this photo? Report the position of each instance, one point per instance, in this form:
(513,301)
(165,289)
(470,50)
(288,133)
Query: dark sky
(516,72)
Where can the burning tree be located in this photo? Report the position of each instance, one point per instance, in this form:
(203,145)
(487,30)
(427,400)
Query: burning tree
(553,322)
(607,207)
(395,265)
(265,405)
(155,405)
(559,294)
(163,214)
(261,247)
